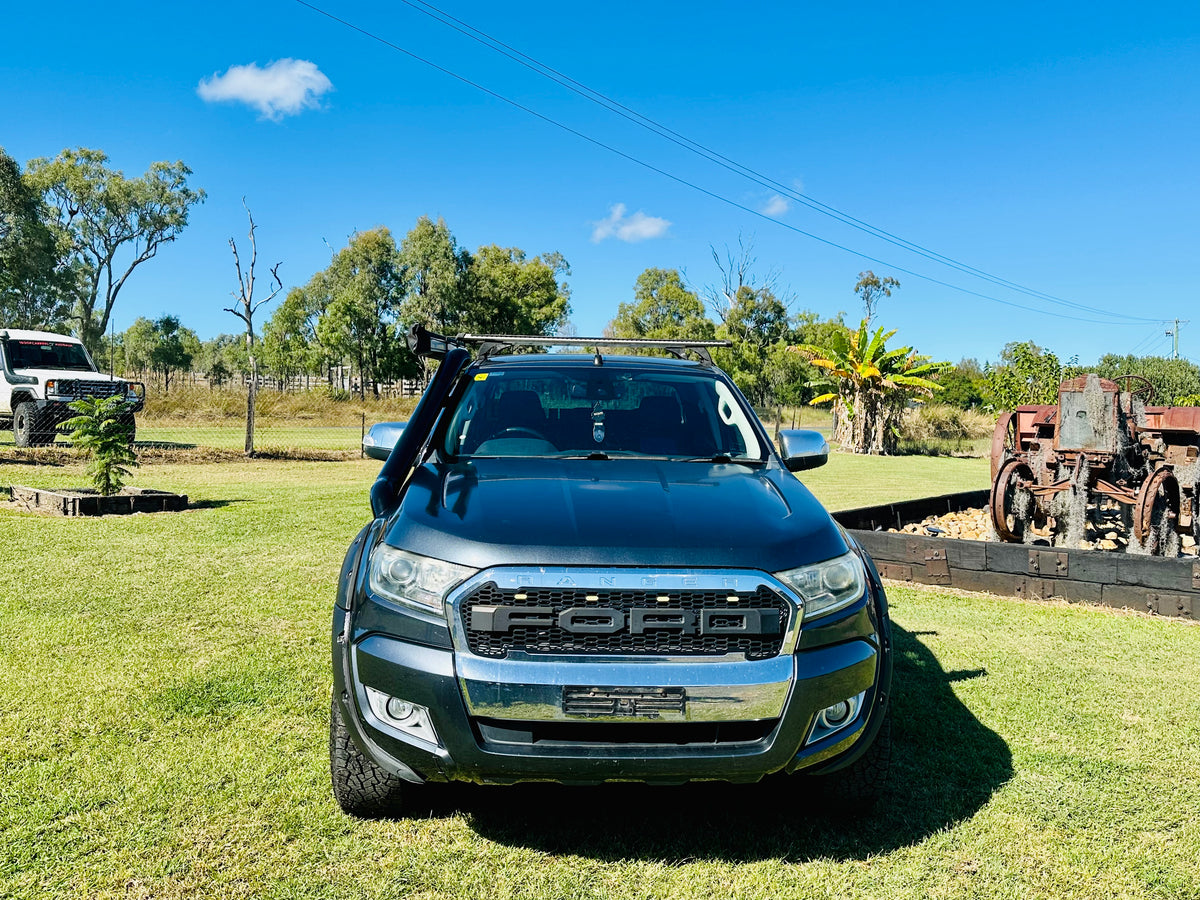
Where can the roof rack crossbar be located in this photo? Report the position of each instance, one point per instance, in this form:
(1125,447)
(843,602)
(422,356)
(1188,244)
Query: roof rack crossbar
(552,341)
(434,346)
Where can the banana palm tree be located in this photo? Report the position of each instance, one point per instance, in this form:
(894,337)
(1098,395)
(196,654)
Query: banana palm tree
(869,385)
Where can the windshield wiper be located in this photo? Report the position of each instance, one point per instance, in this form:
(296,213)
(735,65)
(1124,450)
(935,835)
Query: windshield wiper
(725,458)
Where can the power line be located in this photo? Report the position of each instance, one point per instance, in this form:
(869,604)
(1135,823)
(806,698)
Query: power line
(632,115)
(1154,347)
(1144,342)
(695,187)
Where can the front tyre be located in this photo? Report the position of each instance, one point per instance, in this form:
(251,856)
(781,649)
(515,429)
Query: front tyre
(852,791)
(360,787)
(27,426)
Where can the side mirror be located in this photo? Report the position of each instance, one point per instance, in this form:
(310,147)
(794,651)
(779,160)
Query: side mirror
(802,448)
(381,438)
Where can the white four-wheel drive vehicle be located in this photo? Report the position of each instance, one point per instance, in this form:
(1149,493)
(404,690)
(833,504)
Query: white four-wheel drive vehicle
(40,373)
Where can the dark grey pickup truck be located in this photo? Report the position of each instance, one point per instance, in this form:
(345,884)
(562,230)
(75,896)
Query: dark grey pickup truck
(590,568)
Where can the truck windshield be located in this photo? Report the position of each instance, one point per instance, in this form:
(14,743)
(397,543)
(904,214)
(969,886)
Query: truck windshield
(601,412)
(24,354)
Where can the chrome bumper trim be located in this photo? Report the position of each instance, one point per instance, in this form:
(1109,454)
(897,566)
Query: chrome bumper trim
(529,687)
(716,690)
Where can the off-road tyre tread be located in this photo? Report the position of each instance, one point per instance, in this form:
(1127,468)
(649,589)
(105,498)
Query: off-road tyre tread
(360,787)
(33,435)
(853,791)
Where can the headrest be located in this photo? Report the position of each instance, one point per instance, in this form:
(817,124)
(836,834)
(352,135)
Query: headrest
(520,406)
(663,409)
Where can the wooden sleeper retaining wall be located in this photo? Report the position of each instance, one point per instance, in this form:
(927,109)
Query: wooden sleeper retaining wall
(1168,587)
(78,503)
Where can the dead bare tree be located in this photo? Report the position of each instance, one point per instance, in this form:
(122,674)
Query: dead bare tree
(248,307)
(736,268)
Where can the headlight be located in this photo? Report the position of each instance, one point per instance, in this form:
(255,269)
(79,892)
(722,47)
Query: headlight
(412,580)
(827,586)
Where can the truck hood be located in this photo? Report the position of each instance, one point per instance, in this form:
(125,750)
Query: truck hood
(613,513)
(42,375)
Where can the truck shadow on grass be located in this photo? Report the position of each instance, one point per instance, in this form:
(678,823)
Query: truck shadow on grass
(945,767)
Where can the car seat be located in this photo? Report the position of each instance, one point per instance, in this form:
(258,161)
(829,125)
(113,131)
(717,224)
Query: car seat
(659,421)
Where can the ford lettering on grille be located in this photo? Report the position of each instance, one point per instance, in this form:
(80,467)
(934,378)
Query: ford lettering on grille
(639,620)
(574,620)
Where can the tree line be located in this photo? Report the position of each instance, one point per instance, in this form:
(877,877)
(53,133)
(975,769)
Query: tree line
(359,308)
(73,230)
(1026,373)
(353,315)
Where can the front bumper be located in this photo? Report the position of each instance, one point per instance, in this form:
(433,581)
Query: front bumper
(504,720)
(56,408)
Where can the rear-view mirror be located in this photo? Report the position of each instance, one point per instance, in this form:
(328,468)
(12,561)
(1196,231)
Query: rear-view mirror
(381,438)
(803,448)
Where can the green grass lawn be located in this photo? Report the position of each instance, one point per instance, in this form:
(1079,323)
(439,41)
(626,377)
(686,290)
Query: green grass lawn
(164,712)
(267,436)
(849,481)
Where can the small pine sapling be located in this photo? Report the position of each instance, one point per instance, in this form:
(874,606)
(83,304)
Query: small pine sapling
(103,429)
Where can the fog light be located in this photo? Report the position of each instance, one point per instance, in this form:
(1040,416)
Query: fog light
(399,709)
(408,718)
(833,719)
(833,716)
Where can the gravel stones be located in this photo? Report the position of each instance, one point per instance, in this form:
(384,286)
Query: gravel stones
(1105,530)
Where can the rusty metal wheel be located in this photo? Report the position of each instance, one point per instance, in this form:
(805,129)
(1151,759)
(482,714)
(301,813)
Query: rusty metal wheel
(1012,503)
(1004,441)
(1156,513)
(1136,386)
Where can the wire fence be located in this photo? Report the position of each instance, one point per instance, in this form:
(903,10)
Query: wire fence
(271,436)
(195,420)
(291,421)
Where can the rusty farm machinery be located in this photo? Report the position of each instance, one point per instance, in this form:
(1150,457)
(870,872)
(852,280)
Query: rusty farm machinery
(1101,454)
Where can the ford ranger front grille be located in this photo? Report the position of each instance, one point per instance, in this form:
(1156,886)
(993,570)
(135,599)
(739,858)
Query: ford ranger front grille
(623,622)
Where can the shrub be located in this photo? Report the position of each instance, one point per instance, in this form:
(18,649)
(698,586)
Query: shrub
(103,429)
(934,429)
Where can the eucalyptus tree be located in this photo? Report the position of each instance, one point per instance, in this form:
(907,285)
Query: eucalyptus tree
(508,293)
(289,344)
(871,289)
(363,289)
(37,282)
(162,346)
(663,307)
(435,267)
(111,224)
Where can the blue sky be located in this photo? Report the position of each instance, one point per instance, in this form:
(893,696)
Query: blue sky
(1051,145)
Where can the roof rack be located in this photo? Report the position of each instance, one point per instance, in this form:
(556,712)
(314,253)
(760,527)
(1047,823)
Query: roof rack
(431,345)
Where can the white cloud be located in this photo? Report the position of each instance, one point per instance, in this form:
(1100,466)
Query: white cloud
(631,229)
(282,88)
(776,206)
